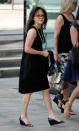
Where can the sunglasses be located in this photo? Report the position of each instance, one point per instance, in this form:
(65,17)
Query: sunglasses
(75,3)
(40,16)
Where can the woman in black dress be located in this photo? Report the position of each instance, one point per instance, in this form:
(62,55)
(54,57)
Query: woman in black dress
(62,46)
(34,65)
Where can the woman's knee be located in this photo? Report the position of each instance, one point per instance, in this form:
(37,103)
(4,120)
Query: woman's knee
(46,91)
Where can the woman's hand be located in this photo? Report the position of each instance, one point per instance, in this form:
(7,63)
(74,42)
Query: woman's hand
(56,58)
(45,53)
(77,45)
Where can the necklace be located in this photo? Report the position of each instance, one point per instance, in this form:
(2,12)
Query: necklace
(41,35)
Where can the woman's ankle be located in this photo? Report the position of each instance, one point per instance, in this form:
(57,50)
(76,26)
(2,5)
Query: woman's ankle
(23,116)
(70,103)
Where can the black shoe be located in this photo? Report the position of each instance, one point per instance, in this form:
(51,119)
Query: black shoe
(55,100)
(58,97)
(23,123)
(54,122)
(63,104)
(62,110)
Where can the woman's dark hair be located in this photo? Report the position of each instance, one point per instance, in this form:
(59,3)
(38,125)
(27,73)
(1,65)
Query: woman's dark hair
(77,16)
(30,21)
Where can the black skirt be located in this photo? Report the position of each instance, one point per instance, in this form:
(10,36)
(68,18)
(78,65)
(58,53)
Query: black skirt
(33,73)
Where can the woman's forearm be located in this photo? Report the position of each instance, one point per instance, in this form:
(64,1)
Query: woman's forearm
(55,46)
(33,51)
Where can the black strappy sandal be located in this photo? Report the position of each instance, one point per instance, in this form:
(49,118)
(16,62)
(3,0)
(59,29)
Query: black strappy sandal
(63,104)
(57,98)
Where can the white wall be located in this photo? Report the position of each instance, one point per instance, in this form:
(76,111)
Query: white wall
(18,1)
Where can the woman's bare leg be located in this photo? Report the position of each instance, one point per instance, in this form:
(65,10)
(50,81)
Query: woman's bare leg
(47,101)
(74,94)
(68,105)
(66,93)
(25,103)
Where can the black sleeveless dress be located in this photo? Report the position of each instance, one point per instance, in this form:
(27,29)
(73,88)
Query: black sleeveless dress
(64,42)
(33,70)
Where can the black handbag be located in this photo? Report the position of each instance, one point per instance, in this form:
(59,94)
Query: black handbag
(75,56)
(51,63)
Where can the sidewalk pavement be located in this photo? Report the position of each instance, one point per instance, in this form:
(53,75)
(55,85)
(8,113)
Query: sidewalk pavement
(11,19)
(11,106)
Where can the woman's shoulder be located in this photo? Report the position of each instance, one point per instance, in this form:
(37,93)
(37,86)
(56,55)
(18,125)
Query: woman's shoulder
(60,17)
(60,20)
(32,30)
(31,33)
(63,17)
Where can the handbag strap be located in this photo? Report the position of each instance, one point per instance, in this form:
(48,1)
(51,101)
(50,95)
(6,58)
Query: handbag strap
(58,66)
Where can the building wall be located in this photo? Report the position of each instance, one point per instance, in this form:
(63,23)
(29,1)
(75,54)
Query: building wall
(18,1)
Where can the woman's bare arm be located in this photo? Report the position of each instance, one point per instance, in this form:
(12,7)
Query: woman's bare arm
(58,25)
(74,35)
(31,35)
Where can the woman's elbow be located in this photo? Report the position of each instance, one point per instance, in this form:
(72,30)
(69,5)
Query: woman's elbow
(26,50)
(56,36)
